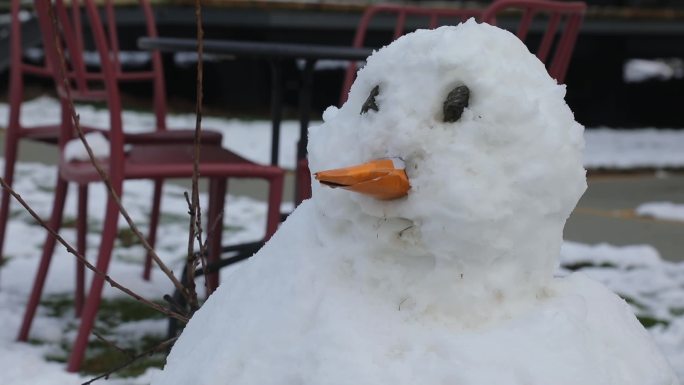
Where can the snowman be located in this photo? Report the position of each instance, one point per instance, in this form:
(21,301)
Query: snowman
(427,253)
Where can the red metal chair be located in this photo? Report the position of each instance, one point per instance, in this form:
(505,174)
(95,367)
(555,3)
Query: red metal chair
(19,69)
(400,19)
(558,22)
(142,161)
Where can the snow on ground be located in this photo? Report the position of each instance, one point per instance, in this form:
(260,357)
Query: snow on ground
(662,210)
(654,288)
(605,148)
(22,363)
(251,139)
(633,148)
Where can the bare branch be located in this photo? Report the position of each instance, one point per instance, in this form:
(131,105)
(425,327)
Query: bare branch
(162,346)
(105,178)
(194,205)
(112,344)
(190,259)
(88,265)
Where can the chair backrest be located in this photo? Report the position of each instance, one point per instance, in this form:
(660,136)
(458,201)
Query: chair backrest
(63,47)
(18,68)
(80,72)
(401,19)
(558,22)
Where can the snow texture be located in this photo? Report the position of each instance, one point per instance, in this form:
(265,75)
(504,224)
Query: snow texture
(451,284)
(75,150)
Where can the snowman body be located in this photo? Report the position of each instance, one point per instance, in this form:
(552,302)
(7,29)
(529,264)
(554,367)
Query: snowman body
(451,284)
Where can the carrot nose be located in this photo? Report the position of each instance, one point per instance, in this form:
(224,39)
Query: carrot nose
(382,179)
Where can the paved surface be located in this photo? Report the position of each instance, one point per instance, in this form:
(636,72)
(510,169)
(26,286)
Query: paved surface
(604,214)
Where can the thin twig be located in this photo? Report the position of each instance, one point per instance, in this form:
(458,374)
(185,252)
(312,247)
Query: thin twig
(105,178)
(190,259)
(194,205)
(87,264)
(162,346)
(112,345)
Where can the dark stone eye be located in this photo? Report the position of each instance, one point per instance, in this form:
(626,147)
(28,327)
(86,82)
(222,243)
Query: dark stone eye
(455,102)
(370,102)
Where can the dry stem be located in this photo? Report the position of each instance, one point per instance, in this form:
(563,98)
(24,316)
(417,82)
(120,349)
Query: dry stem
(162,346)
(88,265)
(194,205)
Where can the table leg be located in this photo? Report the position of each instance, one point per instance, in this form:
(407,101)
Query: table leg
(305,93)
(276,108)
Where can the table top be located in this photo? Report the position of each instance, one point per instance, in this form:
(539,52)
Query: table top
(256,49)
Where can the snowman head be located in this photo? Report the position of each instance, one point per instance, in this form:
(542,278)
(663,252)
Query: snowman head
(491,151)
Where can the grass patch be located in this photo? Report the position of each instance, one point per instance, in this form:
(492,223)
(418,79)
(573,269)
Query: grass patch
(127,238)
(4,259)
(101,357)
(634,303)
(58,304)
(104,358)
(584,265)
(649,322)
(677,311)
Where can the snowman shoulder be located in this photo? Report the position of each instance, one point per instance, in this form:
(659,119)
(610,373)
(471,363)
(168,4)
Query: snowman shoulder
(612,325)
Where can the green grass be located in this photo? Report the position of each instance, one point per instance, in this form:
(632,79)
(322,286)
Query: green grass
(583,265)
(101,357)
(127,238)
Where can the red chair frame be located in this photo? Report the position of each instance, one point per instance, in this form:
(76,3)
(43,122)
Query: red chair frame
(564,19)
(50,133)
(402,13)
(147,160)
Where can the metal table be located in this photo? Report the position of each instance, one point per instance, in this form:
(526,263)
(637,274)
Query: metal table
(275,53)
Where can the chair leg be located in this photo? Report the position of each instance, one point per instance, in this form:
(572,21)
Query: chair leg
(95,294)
(48,249)
(275,197)
(217,198)
(81,234)
(11,147)
(154,223)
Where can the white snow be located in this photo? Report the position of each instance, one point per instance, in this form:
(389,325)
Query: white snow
(638,148)
(450,284)
(75,150)
(250,139)
(662,210)
(640,70)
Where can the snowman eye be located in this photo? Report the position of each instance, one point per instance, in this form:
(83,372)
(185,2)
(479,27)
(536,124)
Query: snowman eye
(455,102)
(370,104)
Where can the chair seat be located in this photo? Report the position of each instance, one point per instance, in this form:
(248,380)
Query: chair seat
(155,161)
(174,136)
(50,133)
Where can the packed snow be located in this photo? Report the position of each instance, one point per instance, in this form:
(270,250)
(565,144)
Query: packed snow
(452,283)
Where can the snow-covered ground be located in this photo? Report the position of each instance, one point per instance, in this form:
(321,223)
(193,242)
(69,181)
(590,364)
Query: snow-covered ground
(654,287)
